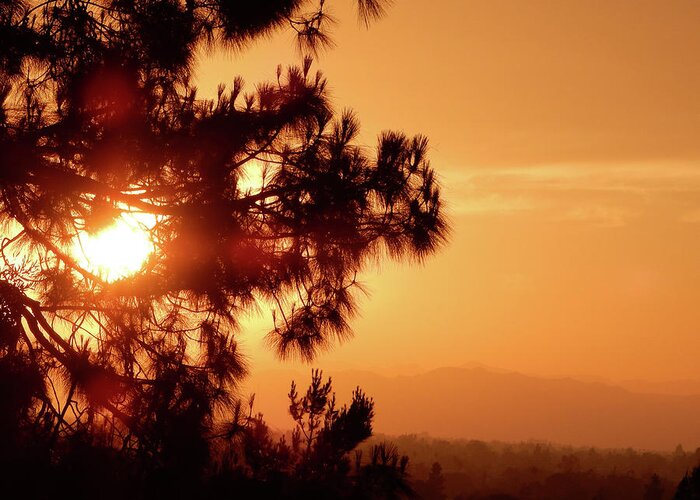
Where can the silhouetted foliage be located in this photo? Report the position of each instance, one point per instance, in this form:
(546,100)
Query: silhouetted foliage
(316,461)
(433,488)
(98,118)
(248,460)
(654,489)
(689,487)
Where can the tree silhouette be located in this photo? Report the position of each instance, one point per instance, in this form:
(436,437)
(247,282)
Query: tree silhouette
(433,488)
(654,490)
(98,119)
(689,486)
(316,462)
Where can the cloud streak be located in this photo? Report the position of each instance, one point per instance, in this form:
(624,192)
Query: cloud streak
(607,196)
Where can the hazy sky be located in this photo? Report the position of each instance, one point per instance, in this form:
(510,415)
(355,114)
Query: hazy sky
(567,136)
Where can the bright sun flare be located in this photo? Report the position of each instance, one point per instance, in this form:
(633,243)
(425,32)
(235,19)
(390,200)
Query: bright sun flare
(116,251)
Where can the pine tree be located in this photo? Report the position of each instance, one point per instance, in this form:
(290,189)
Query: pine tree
(98,120)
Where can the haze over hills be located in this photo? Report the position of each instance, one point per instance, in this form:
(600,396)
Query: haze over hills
(475,402)
(686,387)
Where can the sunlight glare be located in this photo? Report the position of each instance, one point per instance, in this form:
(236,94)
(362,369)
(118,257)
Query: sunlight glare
(116,251)
(252,177)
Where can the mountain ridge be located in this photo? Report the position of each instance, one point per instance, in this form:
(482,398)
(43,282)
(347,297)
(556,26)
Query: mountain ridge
(479,403)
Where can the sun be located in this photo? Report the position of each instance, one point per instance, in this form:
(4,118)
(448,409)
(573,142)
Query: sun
(117,251)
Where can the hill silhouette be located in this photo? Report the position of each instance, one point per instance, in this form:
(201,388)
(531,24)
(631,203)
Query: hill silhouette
(474,402)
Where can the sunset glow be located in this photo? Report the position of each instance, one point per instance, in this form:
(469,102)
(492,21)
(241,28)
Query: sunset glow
(575,207)
(350,249)
(117,251)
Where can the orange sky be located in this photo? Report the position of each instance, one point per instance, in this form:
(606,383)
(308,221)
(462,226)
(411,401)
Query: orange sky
(567,135)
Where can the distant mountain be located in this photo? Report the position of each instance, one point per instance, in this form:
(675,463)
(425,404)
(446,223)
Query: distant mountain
(474,402)
(678,387)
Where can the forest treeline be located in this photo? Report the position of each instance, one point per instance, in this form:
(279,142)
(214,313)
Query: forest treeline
(478,470)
